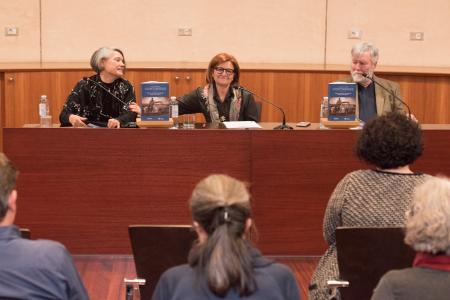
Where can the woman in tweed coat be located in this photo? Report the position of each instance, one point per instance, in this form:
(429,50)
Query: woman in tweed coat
(374,197)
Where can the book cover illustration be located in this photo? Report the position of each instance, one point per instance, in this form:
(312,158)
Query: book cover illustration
(155,101)
(342,101)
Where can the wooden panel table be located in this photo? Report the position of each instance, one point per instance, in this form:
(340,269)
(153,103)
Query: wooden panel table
(83,187)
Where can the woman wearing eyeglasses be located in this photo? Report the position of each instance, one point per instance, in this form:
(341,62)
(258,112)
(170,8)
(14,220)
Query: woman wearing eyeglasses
(221,99)
(103,99)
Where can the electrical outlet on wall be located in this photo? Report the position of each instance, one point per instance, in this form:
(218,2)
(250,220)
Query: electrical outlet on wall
(185,31)
(11,30)
(416,36)
(354,33)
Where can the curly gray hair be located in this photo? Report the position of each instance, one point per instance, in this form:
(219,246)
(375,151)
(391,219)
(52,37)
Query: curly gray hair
(366,47)
(428,220)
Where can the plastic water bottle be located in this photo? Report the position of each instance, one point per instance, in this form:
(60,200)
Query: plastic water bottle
(174,111)
(323,111)
(44,113)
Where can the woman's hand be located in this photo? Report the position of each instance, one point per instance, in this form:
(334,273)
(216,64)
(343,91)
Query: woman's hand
(134,108)
(77,121)
(113,123)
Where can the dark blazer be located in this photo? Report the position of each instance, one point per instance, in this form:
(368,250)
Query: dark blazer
(385,102)
(194,102)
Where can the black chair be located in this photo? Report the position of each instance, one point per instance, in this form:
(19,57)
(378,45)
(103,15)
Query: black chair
(25,233)
(366,254)
(259,109)
(156,248)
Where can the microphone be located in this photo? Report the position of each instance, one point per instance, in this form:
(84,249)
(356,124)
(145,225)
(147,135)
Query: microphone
(105,89)
(283,125)
(389,91)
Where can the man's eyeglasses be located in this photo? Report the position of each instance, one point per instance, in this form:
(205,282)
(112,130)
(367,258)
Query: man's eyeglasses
(220,70)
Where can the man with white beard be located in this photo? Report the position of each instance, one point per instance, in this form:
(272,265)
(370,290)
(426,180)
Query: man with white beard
(373,100)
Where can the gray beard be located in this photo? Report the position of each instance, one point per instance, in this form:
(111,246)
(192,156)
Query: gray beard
(359,78)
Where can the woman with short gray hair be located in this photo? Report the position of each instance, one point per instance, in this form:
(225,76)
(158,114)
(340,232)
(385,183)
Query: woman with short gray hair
(428,232)
(103,99)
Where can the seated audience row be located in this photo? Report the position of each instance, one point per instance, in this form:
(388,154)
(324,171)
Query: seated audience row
(374,197)
(428,232)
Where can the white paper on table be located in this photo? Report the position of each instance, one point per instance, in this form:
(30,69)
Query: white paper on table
(241,124)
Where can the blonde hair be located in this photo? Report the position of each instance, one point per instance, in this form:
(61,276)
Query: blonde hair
(221,205)
(428,220)
(219,190)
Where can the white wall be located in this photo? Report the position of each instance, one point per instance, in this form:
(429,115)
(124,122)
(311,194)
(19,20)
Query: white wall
(387,23)
(25,15)
(255,31)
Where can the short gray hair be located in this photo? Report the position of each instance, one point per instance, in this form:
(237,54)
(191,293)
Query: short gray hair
(428,220)
(101,54)
(366,47)
(8,176)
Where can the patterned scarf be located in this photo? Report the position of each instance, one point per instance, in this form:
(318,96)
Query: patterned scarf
(430,261)
(211,106)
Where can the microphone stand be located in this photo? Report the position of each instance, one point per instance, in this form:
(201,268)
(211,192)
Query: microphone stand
(283,125)
(389,91)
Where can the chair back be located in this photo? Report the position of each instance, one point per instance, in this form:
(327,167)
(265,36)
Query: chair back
(25,233)
(259,109)
(366,254)
(156,248)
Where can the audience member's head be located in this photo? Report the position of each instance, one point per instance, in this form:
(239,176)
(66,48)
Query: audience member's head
(390,141)
(428,221)
(221,212)
(8,175)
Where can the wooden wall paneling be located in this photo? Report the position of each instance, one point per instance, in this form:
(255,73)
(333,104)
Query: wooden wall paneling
(436,103)
(286,94)
(187,80)
(180,81)
(298,92)
(259,83)
(138,76)
(22,93)
(277,87)
(2,110)
(427,95)
(312,87)
(414,94)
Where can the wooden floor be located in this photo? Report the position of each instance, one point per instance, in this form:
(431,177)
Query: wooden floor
(103,275)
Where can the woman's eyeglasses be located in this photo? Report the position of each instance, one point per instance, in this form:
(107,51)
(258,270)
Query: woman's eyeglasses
(220,70)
